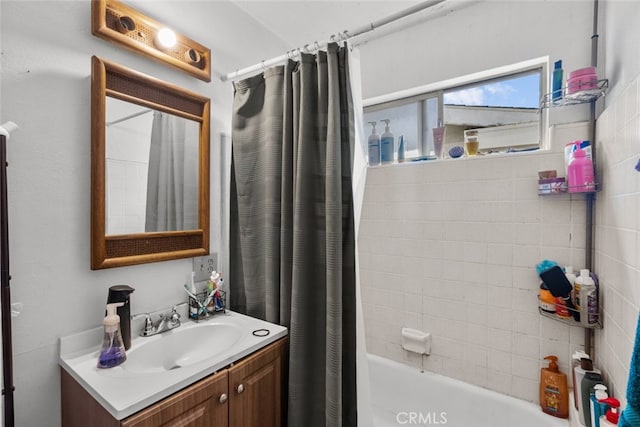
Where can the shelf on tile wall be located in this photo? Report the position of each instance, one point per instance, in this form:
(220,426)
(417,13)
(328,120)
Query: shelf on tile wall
(582,97)
(570,320)
(565,190)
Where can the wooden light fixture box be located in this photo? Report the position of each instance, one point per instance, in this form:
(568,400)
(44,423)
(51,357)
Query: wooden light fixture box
(116,22)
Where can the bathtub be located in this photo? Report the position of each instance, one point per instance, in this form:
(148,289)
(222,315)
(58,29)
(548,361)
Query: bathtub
(402,395)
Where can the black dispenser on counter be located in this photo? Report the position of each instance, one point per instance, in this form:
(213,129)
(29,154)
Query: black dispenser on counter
(120,294)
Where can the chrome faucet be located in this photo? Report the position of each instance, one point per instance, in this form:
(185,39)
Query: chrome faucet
(165,322)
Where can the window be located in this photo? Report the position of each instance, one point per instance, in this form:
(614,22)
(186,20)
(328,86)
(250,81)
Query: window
(502,106)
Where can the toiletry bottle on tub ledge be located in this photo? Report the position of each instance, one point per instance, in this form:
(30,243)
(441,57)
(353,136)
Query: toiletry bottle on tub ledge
(554,393)
(374,146)
(386,144)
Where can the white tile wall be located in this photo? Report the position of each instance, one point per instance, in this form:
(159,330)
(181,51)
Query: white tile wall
(450,248)
(617,243)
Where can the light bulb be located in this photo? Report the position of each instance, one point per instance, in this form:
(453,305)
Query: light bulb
(166,38)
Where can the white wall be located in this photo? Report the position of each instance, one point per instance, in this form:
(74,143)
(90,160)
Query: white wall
(46,51)
(450,247)
(475,37)
(617,238)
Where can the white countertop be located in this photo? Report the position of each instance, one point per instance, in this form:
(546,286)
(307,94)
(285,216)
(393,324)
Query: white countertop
(123,393)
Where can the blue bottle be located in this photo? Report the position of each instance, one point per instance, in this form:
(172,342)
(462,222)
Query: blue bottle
(556,84)
(401,149)
(598,409)
(386,144)
(374,146)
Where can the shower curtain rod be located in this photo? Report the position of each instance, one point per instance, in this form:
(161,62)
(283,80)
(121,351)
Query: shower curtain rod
(345,35)
(131,116)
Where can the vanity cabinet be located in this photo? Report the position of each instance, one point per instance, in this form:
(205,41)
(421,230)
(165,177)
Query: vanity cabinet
(202,404)
(248,393)
(255,390)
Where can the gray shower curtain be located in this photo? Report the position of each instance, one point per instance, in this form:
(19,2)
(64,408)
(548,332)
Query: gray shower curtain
(166,174)
(292,244)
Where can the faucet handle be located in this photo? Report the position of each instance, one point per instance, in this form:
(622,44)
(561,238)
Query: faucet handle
(148,324)
(175,316)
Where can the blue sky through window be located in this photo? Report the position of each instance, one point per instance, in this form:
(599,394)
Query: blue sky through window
(519,92)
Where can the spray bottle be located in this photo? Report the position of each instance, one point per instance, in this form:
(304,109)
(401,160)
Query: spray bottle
(112,352)
(374,146)
(386,144)
(610,419)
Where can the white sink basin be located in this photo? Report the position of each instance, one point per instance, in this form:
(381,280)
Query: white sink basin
(181,347)
(160,365)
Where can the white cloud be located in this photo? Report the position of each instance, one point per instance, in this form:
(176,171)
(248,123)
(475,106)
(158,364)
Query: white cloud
(471,96)
(499,89)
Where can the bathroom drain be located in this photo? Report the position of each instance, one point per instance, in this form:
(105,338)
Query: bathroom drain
(175,367)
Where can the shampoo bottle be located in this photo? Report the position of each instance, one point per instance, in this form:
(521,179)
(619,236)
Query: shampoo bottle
(374,146)
(598,409)
(610,419)
(554,394)
(587,297)
(586,388)
(575,376)
(571,277)
(386,144)
(586,365)
(112,352)
(556,83)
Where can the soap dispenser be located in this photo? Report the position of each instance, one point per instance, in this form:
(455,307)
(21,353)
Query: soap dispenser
(120,294)
(554,393)
(374,146)
(386,144)
(112,352)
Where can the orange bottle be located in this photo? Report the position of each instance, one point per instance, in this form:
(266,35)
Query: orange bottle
(554,393)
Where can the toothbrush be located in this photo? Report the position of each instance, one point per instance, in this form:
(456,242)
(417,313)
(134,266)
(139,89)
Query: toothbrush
(193,284)
(192,295)
(209,297)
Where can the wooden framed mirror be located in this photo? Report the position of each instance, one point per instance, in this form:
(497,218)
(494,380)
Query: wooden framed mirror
(149,169)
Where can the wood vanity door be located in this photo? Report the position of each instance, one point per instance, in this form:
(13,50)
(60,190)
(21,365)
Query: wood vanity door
(256,387)
(204,404)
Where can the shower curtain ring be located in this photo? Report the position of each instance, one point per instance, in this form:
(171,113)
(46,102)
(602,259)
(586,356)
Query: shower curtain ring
(263,67)
(316,46)
(306,49)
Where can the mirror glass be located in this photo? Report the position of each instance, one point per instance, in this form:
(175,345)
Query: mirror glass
(151,170)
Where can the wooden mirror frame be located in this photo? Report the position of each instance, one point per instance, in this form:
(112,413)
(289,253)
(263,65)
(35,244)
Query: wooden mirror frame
(110,79)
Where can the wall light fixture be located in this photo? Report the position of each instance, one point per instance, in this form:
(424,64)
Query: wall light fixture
(118,23)
(165,38)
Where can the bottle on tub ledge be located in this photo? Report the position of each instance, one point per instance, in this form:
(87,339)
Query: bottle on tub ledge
(387,143)
(374,146)
(554,392)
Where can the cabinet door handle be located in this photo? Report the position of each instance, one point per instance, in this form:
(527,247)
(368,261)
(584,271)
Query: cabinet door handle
(223,397)
(240,388)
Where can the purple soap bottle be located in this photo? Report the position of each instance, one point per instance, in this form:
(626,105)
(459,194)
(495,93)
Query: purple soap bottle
(580,174)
